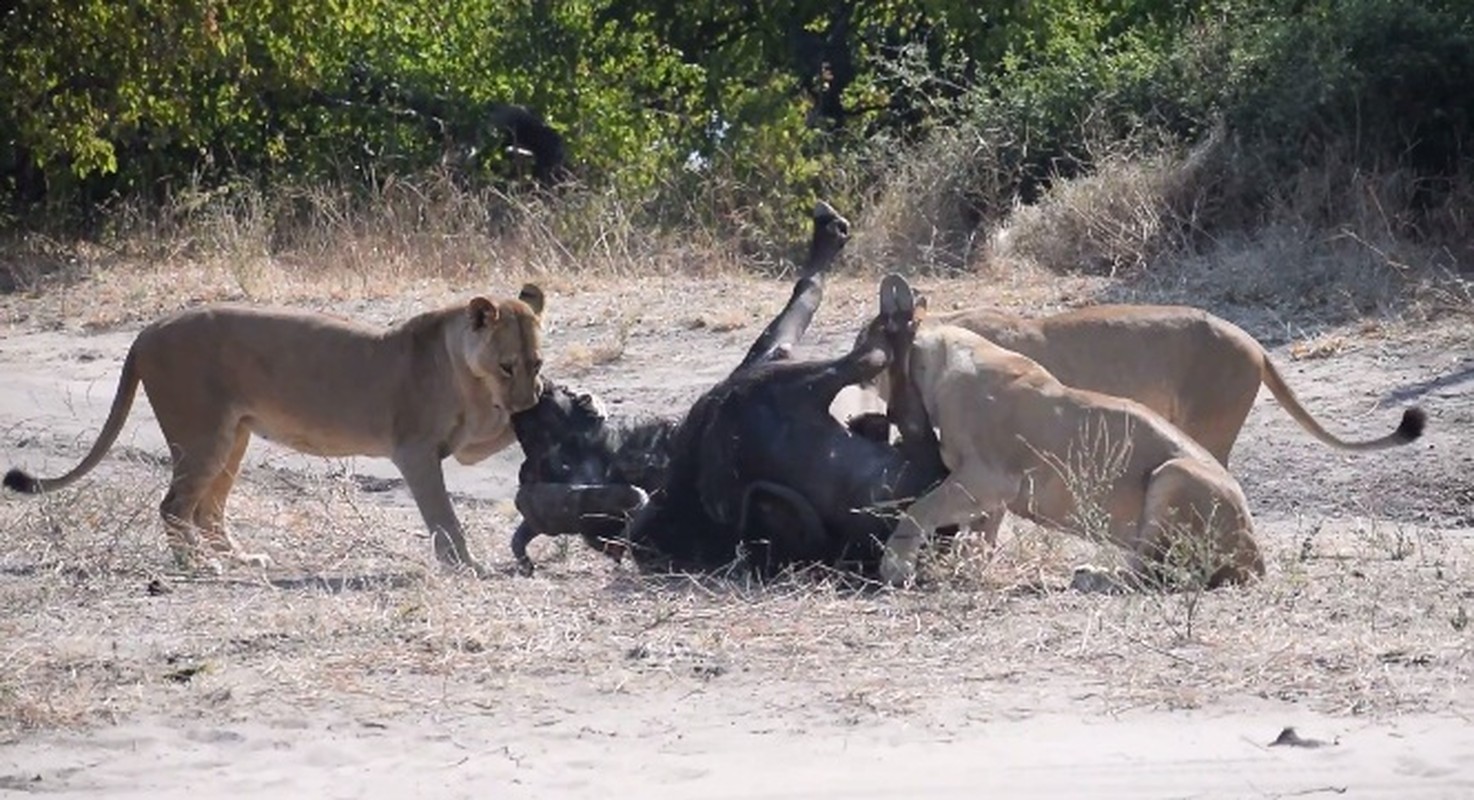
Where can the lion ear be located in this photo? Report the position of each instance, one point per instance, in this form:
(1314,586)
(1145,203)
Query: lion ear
(533,297)
(920,306)
(483,312)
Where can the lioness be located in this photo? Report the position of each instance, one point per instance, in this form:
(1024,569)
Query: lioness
(442,383)
(1012,435)
(1200,372)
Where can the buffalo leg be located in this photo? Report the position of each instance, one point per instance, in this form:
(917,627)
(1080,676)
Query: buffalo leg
(785,520)
(776,341)
(918,439)
(524,534)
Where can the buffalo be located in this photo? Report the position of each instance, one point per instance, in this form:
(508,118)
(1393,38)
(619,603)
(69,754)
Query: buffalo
(758,472)
(761,474)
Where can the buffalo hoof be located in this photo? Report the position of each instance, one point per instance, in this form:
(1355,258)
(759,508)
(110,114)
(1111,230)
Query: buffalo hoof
(897,571)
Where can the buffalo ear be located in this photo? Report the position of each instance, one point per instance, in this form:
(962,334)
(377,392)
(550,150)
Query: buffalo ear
(533,297)
(483,312)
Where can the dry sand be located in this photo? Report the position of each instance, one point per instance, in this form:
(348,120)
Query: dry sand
(681,746)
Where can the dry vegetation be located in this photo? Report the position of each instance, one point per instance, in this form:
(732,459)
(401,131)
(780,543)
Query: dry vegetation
(1366,619)
(1357,616)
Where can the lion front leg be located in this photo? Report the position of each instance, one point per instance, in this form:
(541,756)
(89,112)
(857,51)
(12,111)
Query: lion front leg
(422,473)
(961,497)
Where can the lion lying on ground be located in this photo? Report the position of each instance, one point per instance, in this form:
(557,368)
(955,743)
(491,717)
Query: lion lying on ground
(442,383)
(1089,463)
(1199,372)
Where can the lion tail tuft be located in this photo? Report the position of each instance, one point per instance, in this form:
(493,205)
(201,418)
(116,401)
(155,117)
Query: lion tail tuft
(1414,420)
(18,481)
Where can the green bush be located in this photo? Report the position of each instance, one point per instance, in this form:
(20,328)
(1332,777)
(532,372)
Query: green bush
(730,117)
(1345,84)
(1386,81)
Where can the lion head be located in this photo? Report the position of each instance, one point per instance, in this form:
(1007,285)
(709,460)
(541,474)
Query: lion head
(502,347)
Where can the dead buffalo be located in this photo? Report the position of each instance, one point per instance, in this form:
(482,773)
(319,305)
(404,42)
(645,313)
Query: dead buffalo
(761,472)
(585,473)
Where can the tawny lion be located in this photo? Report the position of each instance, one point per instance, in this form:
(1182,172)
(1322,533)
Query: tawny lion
(444,383)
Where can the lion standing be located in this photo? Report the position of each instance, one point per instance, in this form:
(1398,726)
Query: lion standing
(442,383)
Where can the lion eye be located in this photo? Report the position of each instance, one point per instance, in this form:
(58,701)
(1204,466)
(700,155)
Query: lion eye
(507,369)
(536,365)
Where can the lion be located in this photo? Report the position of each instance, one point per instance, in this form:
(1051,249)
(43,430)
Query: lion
(1014,436)
(443,383)
(1198,371)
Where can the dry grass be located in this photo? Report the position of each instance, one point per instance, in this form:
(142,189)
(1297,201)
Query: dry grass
(1335,243)
(1210,226)
(1323,346)
(1119,220)
(919,218)
(413,239)
(1363,619)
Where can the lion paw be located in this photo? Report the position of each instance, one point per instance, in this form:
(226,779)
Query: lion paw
(254,560)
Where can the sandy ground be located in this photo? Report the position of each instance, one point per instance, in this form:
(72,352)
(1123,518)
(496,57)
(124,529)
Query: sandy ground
(551,732)
(677,747)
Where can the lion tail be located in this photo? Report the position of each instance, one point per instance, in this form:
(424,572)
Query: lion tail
(1413,419)
(26,483)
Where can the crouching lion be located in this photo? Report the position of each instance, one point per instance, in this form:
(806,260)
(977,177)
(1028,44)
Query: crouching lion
(442,383)
(1089,463)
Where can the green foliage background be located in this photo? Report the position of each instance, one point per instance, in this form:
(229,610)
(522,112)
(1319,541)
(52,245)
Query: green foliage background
(710,112)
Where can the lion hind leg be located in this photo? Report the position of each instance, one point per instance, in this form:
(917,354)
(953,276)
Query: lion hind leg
(1191,528)
(178,509)
(179,532)
(210,513)
(200,435)
(988,525)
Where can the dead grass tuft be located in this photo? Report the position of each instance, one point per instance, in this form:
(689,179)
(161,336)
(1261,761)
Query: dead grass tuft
(1213,226)
(920,218)
(1333,243)
(721,320)
(1119,220)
